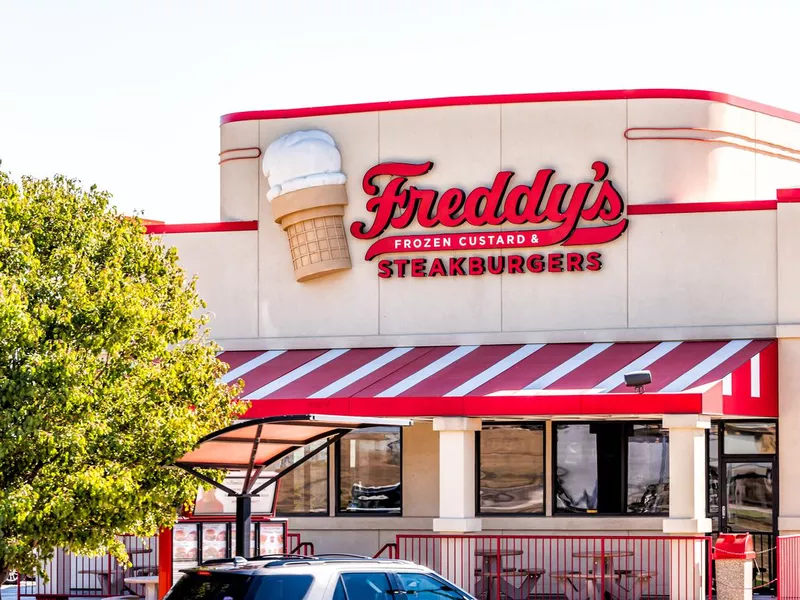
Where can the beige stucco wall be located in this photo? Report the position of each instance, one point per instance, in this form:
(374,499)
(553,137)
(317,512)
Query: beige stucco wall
(682,275)
(226,266)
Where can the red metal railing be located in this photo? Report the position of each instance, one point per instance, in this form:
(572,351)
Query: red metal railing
(295,545)
(73,575)
(516,567)
(788,559)
(387,550)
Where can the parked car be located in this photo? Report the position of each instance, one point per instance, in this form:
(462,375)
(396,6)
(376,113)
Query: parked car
(321,577)
(12,577)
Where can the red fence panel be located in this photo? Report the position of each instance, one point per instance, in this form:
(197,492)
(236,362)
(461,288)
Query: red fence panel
(516,567)
(72,575)
(788,549)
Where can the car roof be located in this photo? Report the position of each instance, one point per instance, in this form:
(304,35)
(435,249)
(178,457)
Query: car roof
(267,565)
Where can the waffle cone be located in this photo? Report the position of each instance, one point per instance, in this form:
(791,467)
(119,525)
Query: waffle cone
(313,219)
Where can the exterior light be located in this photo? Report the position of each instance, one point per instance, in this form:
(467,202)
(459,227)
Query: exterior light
(638,379)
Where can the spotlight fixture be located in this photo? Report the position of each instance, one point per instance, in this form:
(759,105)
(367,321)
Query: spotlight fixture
(638,379)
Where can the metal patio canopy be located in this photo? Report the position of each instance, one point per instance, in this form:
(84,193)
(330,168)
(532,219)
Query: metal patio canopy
(252,444)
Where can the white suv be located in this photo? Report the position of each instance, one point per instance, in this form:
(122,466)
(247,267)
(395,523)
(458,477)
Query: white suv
(321,577)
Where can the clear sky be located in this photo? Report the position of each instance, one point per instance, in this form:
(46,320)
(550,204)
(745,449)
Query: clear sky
(128,94)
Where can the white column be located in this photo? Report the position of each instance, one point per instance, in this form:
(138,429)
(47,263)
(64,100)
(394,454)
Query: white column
(457,498)
(687,502)
(456,474)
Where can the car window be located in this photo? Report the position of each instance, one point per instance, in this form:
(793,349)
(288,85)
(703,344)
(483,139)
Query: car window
(367,586)
(424,587)
(338,593)
(283,587)
(210,586)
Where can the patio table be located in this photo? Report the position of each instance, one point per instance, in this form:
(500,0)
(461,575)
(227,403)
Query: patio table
(150,584)
(491,569)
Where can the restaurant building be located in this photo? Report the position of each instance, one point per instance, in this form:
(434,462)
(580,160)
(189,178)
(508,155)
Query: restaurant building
(493,267)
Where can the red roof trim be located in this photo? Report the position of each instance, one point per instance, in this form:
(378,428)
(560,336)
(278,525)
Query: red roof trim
(342,109)
(203,227)
(790,195)
(701,207)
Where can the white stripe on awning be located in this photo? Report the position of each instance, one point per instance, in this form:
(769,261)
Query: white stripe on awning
(755,376)
(433,368)
(361,372)
(644,361)
(299,372)
(567,367)
(259,360)
(727,385)
(495,370)
(704,367)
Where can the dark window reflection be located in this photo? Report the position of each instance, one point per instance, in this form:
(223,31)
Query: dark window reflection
(749,438)
(749,488)
(369,471)
(713,471)
(304,490)
(512,469)
(648,469)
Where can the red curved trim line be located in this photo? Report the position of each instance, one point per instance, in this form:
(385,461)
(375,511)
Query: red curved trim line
(701,207)
(789,195)
(292,113)
(792,195)
(202,227)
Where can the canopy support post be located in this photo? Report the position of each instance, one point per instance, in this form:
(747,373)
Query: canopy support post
(243,525)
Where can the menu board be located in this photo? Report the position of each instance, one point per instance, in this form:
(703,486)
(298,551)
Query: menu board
(215,541)
(271,538)
(184,543)
(217,502)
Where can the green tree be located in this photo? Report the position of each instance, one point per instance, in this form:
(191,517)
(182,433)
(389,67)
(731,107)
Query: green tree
(107,375)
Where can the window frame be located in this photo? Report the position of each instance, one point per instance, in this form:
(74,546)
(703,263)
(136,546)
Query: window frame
(327,511)
(478,511)
(338,482)
(623,467)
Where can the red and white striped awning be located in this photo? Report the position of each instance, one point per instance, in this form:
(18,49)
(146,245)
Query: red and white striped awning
(740,369)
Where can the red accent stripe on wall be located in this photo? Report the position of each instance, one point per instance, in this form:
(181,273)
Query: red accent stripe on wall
(633,210)
(701,207)
(342,109)
(202,227)
(789,195)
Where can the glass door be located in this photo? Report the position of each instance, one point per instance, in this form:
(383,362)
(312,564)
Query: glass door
(748,505)
(743,493)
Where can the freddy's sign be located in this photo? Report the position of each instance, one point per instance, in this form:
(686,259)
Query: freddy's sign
(588,214)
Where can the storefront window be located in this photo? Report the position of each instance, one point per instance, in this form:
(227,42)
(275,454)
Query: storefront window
(749,438)
(370,472)
(634,473)
(303,491)
(511,469)
(648,469)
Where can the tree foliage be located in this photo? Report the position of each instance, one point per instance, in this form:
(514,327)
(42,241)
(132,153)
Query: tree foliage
(107,375)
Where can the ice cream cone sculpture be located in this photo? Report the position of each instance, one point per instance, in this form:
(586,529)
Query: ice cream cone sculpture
(307,195)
